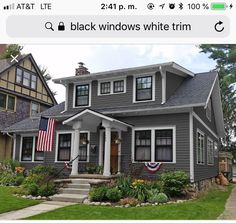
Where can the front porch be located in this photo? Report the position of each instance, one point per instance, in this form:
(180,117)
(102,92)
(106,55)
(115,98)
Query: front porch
(109,132)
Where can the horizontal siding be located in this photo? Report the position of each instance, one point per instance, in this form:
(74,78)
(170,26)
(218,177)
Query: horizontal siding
(205,171)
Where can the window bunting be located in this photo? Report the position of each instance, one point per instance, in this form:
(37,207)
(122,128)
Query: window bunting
(152,167)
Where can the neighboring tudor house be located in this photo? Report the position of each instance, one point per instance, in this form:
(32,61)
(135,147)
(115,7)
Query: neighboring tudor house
(23,93)
(121,119)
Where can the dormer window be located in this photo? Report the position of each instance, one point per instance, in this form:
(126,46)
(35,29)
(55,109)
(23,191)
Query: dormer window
(118,86)
(144,88)
(82,95)
(26,78)
(108,87)
(105,88)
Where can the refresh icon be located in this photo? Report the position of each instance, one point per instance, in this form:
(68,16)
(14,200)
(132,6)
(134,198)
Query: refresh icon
(219,27)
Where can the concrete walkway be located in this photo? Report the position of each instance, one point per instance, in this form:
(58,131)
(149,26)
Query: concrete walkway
(34,210)
(230,207)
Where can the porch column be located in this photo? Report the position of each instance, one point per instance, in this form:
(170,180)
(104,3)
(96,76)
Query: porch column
(75,150)
(107,157)
(101,143)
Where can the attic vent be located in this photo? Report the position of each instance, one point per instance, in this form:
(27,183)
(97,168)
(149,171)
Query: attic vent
(81,70)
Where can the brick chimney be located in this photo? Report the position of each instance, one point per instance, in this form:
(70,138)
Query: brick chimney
(81,70)
(3,48)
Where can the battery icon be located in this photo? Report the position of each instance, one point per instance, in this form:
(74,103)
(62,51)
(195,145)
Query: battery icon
(218,6)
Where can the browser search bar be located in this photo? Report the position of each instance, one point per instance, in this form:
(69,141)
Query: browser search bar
(118,26)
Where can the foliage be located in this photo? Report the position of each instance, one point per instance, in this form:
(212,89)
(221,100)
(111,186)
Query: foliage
(9,164)
(113,194)
(94,169)
(156,185)
(98,193)
(225,57)
(161,198)
(43,169)
(208,207)
(12,49)
(19,180)
(124,185)
(174,182)
(8,178)
(139,190)
(153,196)
(33,188)
(47,190)
(21,191)
(129,200)
(34,178)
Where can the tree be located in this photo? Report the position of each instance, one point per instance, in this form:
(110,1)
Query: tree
(225,57)
(12,49)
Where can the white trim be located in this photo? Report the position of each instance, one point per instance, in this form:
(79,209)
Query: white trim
(173,127)
(33,149)
(67,95)
(119,153)
(111,81)
(153,75)
(209,95)
(209,108)
(211,140)
(191,150)
(204,124)
(204,150)
(163,84)
(216,150)
(14,147)
(72,144)
(90,94)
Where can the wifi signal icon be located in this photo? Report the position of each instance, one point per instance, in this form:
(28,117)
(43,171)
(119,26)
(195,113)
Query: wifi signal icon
(9,7)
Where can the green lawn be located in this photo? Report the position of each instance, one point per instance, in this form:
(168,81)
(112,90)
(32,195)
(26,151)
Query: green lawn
(207,207)
(11,203)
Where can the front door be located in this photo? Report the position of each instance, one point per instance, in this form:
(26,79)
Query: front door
(114,152)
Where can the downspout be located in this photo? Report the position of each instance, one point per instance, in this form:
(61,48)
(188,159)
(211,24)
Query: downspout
(14,144)
(163,84)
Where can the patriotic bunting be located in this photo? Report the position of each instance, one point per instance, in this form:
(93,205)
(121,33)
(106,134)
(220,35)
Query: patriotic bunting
(152,167)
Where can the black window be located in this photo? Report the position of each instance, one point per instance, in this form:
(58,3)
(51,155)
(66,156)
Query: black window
(27,148)
(105,88)
(3,101)
(82,95)
(11,103)
(64,147)
(143,145)
(118,86)
(83,147)
(143,88)
(38,155)
(164,145)
(26,78)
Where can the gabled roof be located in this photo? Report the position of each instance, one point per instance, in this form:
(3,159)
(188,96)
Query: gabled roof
(6,64)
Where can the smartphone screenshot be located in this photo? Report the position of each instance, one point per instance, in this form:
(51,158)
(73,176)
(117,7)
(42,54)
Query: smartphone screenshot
(117,110)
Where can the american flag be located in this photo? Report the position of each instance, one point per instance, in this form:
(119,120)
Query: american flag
(46,134)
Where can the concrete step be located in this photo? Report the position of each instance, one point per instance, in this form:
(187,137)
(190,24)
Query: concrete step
(74,191)
(80,186)
(74,198)
(80,181)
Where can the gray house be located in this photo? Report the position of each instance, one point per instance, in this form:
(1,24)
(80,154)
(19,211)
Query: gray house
(121,119)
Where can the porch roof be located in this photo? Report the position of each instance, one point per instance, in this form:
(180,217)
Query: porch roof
(91,120)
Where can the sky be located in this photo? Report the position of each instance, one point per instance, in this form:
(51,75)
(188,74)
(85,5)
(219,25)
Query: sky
(62,60)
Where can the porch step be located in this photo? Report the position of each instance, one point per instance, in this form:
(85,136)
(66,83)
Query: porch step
(81,186)
(80,181)
(75,198)
(74,191)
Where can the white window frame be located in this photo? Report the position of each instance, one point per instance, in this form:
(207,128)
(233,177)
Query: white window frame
(111,81)
(33,102)
(33,152)
(153,86)
(209,140)
(203,149)
(74,94)
(209,110)
(72,145)
(216,150)
(7,99)
(153,129)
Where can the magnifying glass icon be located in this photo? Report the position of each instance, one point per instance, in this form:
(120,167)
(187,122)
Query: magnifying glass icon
(48,25)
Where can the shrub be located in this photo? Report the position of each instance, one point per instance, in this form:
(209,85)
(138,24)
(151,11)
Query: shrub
(34,178)
(43,170)
(156,185)
(129,200)
(113,194)
(99,194)
(124,185)
(174,182)
(21,191)
(139,190)
(11,163)
(153,195)
(47,190)
(161,198)
(33,188)
(19,180)
(8,178)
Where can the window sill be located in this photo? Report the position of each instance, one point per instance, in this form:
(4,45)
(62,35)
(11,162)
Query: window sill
(144,101)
